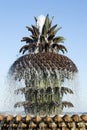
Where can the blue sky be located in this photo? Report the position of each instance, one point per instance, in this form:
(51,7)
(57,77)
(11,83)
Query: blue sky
(70,14)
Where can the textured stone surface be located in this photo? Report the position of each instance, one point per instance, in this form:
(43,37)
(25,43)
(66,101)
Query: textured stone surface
(58,122)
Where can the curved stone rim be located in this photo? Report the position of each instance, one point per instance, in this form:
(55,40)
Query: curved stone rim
(57,121)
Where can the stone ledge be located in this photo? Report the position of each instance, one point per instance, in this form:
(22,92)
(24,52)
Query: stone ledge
(74,122)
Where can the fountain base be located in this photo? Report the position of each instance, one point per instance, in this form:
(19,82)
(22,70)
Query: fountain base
(37,122)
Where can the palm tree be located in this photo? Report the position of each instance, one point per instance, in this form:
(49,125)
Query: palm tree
(43,70)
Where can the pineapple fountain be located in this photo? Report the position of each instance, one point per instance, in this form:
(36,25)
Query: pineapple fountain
(43,71)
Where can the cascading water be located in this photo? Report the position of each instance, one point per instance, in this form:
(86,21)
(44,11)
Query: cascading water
(42,84)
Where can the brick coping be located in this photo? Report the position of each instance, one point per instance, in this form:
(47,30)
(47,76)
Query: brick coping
(37,122)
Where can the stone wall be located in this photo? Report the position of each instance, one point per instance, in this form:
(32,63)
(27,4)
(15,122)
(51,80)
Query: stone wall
(58,122)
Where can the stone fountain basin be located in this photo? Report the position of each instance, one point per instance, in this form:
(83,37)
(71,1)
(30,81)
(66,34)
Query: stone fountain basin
(68,122)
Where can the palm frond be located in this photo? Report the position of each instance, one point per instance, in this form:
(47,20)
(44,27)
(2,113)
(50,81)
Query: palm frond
(36,30)
(47,23)
(59,47)
(50,22)
(32,46)
(27,40)
(67,104)
(45,26)
(35,38)
(42,39)
(23,103)
(44,30)
(22,90)
(23,49)
(29,47)
(65,90)
(35,19)
(56,30)
(51,30)
(30,29)
(58,39)
(51,37)
(62,48)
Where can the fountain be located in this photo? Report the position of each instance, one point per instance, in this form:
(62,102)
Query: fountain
(43,70)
